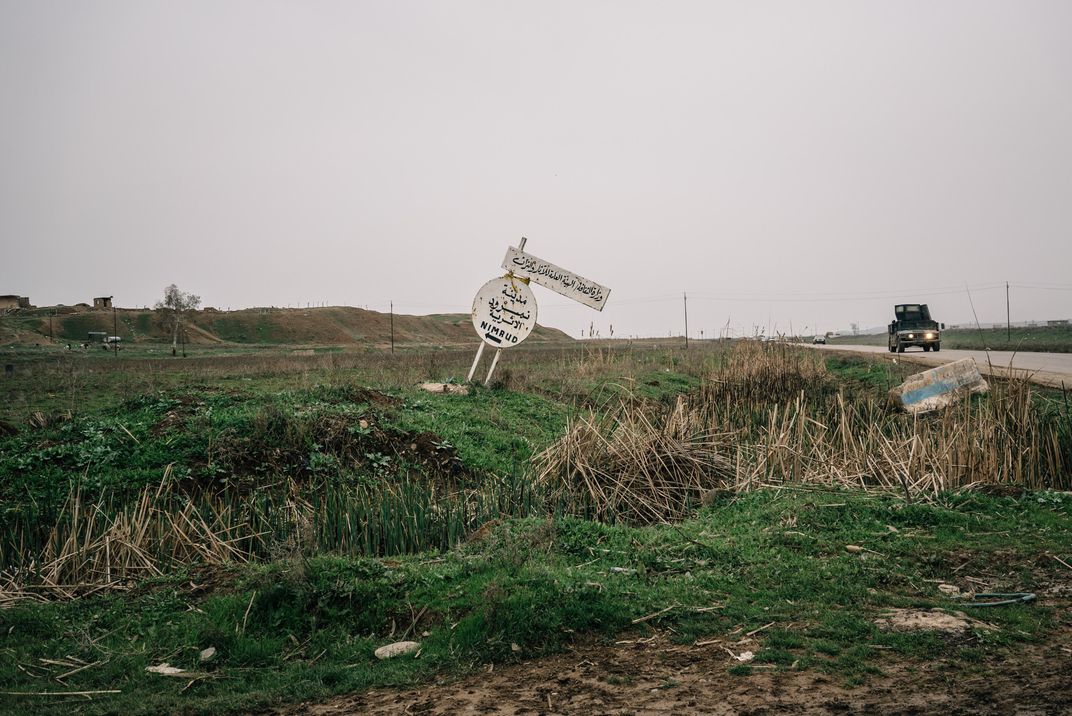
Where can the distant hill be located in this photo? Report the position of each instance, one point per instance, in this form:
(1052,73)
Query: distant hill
(336,325)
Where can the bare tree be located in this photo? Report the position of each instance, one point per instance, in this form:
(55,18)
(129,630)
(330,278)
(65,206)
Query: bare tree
(174,307)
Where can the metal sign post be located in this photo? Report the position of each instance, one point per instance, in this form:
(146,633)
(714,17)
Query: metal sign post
(479,352)
(504,314)
(494,362)
(504,310)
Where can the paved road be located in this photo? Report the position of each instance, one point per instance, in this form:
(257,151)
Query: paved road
(1045,368)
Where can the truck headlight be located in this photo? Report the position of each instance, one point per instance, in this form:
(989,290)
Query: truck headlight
(910,335)
(929,335)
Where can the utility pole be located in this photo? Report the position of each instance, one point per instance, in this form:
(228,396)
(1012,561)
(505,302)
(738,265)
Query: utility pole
(685,299)
(115,332)
(1008,316)
(51,338)
(392,303)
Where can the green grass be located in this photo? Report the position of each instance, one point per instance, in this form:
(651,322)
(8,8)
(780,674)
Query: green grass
(302,624)
(246,437)
(50,379)
(657,385)
(306,628)
(861,373)
(1050,339)
(221,421)
(494,431)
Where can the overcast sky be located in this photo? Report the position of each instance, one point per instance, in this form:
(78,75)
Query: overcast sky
(798,163)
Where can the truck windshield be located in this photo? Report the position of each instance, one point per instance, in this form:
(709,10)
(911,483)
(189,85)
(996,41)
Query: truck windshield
(912,312)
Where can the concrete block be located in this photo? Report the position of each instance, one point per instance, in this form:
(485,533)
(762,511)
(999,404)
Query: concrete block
(936,388)
(452,388)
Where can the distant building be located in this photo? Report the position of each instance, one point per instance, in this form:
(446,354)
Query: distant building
(1059,322)
(102,302)
(7,302)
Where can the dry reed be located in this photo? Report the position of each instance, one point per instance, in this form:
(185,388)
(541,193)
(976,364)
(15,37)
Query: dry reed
(770,416)
(639,464)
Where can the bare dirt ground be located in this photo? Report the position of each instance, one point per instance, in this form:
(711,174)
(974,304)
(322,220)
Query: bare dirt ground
(658,677)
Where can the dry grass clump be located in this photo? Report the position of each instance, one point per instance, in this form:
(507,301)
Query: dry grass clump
(770,416)
(640,464)
(765,372)
(89,548)
(864,444)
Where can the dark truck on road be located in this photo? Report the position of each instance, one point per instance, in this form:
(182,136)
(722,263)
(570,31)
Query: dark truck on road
(913,327)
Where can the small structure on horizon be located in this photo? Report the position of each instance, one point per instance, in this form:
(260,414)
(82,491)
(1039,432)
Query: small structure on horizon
(9,302)
(102,302)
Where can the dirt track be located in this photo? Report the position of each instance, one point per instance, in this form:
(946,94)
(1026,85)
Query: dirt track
(661,678)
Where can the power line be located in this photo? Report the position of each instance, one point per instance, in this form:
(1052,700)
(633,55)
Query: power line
(799,298)
(1042,287)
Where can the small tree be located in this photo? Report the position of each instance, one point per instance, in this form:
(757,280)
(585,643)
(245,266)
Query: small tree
(174,308)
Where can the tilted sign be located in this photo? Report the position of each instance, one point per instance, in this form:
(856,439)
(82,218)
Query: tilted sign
(556,278)
(938,387)
(504,312)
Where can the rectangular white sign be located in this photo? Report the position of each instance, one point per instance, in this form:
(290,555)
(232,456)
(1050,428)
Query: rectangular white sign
(555,278)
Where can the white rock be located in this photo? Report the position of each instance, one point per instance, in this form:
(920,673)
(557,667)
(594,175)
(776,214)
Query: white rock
(399,648)
(743,657)
(452,388)
(950,590)
(208,654)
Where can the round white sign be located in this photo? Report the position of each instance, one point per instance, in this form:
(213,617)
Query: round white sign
(504,312)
